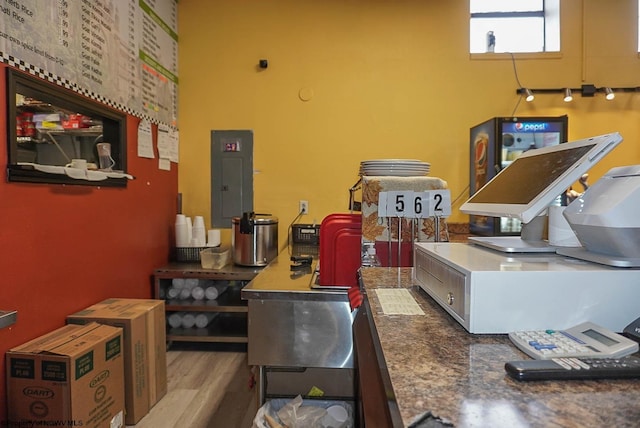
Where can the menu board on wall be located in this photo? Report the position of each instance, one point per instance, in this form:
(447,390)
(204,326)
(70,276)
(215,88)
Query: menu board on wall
(122,51)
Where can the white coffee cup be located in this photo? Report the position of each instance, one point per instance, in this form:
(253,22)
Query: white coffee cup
(336,417)
(77,164)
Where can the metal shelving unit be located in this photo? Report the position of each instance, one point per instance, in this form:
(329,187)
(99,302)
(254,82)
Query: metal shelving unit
(230,324)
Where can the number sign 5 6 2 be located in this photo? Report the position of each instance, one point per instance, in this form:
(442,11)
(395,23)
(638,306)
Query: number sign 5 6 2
(414,204)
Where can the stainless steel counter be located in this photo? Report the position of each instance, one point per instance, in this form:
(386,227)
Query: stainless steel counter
(293,325)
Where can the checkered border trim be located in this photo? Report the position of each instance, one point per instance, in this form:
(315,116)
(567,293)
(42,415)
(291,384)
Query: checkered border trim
(50,77)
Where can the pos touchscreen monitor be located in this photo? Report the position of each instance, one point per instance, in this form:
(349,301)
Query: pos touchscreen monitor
(525,189)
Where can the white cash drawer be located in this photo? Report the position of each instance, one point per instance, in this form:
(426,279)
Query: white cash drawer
(444,284)
(489,292)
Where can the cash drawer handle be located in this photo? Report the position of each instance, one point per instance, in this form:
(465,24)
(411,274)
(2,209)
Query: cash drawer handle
(450,298)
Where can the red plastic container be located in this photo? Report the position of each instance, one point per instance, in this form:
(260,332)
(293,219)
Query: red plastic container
(340,244)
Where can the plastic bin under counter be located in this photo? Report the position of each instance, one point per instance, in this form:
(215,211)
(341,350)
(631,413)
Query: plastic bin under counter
(430,363)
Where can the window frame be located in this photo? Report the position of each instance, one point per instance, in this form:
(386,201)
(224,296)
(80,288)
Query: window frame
(542,13)
(114,128)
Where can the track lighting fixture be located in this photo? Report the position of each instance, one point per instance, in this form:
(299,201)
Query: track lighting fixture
(529,95)
(587,90)
(568,97)
(609,93)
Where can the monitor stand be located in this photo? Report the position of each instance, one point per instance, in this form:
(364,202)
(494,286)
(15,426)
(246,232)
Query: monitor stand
(529,241)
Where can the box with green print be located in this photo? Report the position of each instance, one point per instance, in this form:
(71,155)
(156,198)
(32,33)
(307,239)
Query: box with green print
(72,376)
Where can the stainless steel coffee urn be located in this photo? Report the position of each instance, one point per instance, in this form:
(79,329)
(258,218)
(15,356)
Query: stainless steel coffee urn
(254,239)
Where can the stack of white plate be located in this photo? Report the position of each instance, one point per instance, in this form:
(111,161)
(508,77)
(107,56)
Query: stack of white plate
(395,167)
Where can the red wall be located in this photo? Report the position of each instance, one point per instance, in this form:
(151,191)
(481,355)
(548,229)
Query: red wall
(63,248)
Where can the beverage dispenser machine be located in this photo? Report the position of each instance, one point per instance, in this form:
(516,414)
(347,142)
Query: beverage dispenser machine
(494,144)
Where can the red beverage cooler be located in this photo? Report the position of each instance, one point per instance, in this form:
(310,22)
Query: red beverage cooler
(494,144)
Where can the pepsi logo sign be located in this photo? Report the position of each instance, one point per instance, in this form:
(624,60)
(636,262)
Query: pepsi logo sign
(530,127)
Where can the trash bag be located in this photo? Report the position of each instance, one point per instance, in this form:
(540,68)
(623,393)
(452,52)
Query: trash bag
(299,413)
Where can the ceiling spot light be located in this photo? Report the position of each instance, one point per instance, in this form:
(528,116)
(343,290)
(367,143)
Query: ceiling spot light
(528,95)
(567,95)
(609,93)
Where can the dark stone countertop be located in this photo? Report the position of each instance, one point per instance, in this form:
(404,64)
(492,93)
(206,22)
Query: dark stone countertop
(436,366)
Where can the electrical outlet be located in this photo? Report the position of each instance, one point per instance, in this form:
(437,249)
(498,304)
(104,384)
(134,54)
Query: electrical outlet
(304,207)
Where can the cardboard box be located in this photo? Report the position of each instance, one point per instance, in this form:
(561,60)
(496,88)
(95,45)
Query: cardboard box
(73,376)
(145,358)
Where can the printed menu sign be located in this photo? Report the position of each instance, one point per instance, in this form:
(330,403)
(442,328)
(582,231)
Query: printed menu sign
(123,51)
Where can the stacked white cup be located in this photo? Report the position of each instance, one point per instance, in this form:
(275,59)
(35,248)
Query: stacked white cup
(203,319)
(198,235)
(193,233)
(189,232)
(214,291)
(175,319)
(197,293)
(188,320)
(182,231)
(213,238)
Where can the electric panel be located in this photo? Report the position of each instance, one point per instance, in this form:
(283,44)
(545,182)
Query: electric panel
(231,175)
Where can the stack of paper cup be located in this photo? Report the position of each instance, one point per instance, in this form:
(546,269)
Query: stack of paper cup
(190,283)
(173,293)
(188,320)
(185,293)
(214,291)
(213,237)
(198,233)
(183,237)
(560,233)
(197,293)
(175,319)
(189,232)
(203,319)
(193,233)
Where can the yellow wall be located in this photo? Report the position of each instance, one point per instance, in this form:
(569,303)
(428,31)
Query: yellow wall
(390,79)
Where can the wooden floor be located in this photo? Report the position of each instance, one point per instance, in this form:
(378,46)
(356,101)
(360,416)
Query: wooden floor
(208,387)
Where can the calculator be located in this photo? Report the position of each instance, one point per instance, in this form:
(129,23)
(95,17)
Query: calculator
(583,340)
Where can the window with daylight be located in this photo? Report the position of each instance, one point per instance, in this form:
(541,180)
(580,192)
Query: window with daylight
(514,26)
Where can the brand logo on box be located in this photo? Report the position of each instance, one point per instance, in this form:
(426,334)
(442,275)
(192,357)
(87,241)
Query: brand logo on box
(100,377)
(38,392)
